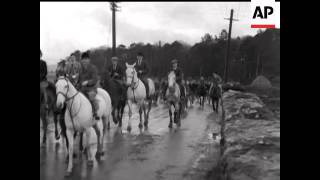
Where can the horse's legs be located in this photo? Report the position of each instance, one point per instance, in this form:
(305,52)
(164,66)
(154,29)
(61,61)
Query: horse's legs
(55,119)
(180,106)
(104,130)
(217,105)
(146,112)
(121,114)
(170,115)
(176,112)
(98,129)
(130,115)
(44,128)
(141,108)
(146,120)
(88,147)
(114,117)
(70,153)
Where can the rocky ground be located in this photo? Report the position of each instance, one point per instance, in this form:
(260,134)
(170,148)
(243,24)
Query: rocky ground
(250,136)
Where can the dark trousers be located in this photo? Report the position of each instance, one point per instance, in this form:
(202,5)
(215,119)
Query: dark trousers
(145,82)
(94,104)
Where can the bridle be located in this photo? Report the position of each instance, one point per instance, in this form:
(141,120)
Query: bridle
(68,99)
(65,95)
(134,85)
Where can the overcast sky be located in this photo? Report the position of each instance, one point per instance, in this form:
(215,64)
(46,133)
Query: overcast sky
(68,26)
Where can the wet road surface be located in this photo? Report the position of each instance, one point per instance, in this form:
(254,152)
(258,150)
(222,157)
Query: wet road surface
(153,154)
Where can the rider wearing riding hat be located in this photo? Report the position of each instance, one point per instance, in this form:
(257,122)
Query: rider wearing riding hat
(88,81)
(73,69)
(142,70)
(179,74)
(43,79)
(115,70)
(216,78)
(216,81)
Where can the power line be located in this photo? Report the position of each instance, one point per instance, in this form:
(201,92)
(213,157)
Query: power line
(226,71)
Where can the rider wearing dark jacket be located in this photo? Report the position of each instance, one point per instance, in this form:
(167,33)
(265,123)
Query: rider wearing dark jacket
(43,79)
(179,75)
(115,70)
(142,70)
(88,80)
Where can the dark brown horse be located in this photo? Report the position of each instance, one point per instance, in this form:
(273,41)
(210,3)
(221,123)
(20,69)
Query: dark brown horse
(215,95)
(117,92)
(51,110)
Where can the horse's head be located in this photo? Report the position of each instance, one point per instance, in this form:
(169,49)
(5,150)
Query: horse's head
(62,89)
(171,80)
(131,74)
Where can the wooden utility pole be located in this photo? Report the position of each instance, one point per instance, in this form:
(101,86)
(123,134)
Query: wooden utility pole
(114,8)
(226,70)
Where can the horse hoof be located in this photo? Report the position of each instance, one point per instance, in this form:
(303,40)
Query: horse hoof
(98,155)
(129,128)
(140,126)
(145,124)
(68,174)
(170,125)
(90,163)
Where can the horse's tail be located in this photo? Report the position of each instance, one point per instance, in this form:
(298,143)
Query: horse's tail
(152,89)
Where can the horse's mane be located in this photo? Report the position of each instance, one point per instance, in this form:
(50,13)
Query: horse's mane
(51,87)
(171,73)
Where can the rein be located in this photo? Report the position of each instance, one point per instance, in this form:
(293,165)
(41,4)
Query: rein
(68,99)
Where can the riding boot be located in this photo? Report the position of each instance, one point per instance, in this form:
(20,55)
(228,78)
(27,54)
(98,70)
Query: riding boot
(145,82)
(182,93)
(94,109)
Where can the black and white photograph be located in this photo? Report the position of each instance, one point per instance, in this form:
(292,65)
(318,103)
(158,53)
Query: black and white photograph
(160,90)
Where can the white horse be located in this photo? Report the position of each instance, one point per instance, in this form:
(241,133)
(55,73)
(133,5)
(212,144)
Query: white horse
(137,94)
(173,95)
(79,117)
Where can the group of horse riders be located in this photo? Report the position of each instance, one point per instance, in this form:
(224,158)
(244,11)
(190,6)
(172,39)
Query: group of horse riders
(84,75)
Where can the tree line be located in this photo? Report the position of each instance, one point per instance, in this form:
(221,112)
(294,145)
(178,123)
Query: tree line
(249,56)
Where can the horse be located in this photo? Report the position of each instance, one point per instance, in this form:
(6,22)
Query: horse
(52,109)
(215,95)
(136,93)
(192,92)
(202,92)
(173,96)
(79,117)
(118,99)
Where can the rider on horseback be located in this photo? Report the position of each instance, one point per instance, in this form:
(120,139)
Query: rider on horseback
(73,68)
(115,70)
(116,73)
(216,81)
(43,79)
(179,75)
(88,80)
(142,69)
